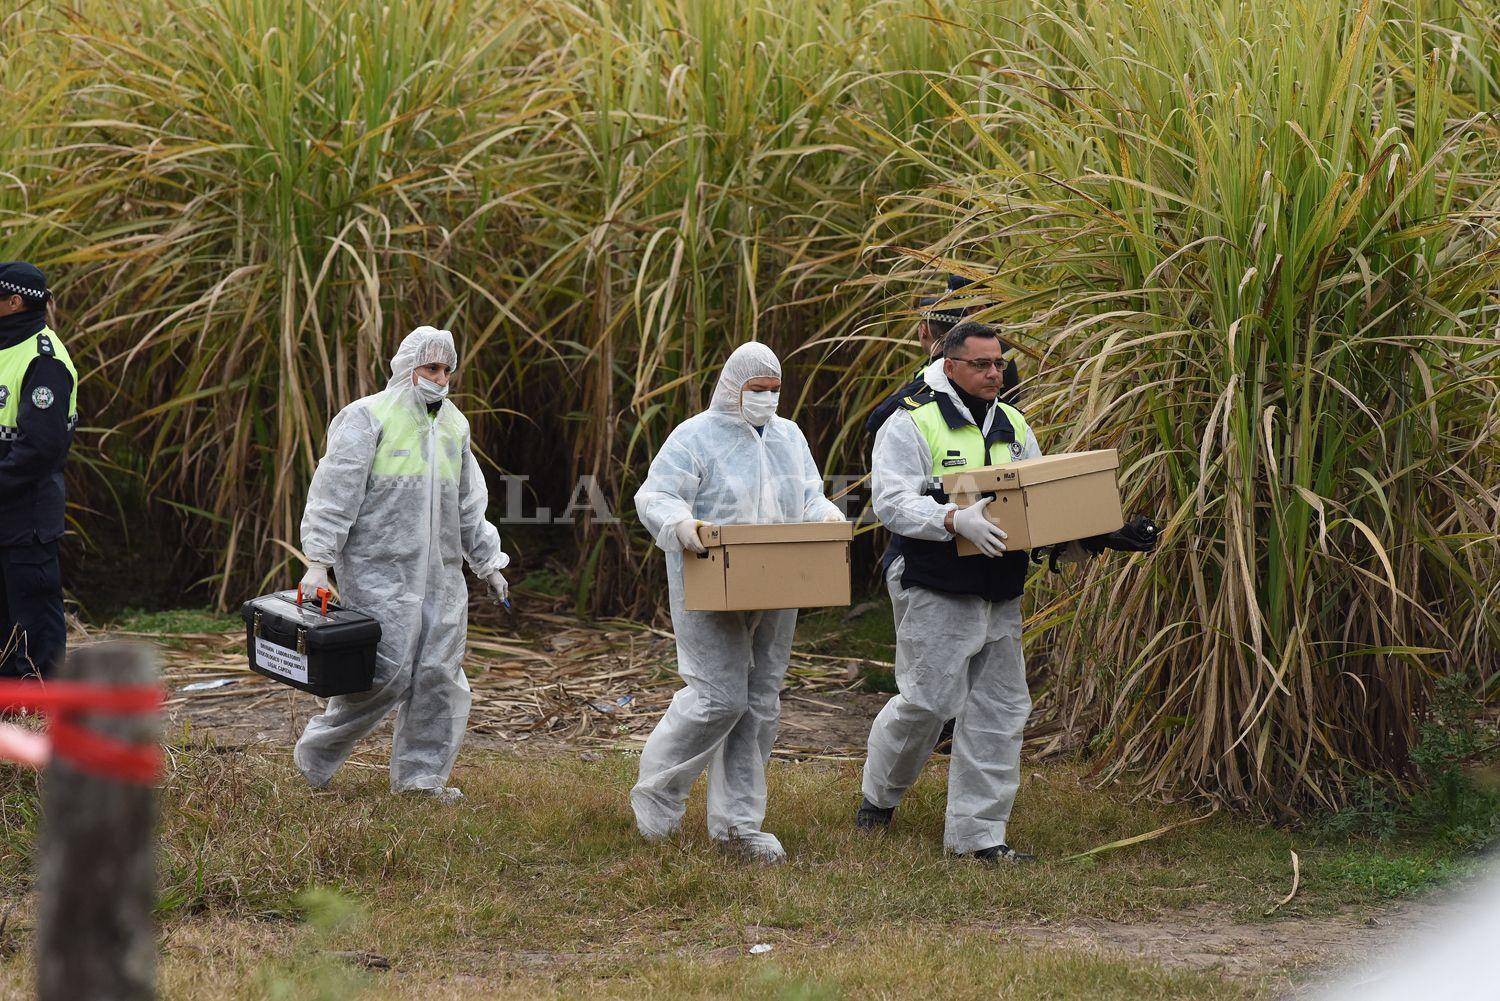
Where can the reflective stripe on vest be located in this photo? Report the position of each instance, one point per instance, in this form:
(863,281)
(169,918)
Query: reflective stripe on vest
(14,361)
(958,448)
(404,441)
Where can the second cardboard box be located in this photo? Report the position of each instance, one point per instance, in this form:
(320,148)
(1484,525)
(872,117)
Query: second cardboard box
(1041,502)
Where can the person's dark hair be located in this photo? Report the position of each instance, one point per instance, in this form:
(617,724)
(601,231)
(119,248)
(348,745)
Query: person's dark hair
(939,328)
(956,338)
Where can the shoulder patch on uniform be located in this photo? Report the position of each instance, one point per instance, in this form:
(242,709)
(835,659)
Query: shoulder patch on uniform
(42,398)
(44,345)
(917,399)
(4,395)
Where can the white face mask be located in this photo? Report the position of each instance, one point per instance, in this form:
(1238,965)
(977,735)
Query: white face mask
(429,391)
(759,407)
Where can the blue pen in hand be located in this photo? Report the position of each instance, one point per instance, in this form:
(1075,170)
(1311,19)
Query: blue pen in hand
(499,588)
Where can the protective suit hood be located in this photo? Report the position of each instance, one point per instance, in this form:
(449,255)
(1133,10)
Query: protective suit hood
(938,381)
(423,346)
(751,360)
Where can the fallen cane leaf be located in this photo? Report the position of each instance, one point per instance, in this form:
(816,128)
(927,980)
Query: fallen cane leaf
(1296,882)
(1141,838)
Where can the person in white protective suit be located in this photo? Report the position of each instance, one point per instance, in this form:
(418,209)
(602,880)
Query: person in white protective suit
(958,619)
(396,505)
(734,463)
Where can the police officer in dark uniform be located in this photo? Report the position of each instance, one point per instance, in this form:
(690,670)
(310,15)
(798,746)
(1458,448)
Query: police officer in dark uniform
(936,318)
(38,413)
(933,323)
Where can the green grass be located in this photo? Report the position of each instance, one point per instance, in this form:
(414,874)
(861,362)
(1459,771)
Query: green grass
(542,860)
(553,583)
(970,965)
(175,622)
(175,628)
(909,964)
(1363,875)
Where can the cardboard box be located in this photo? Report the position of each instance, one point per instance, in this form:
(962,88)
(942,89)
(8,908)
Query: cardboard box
(1040,502)
(751,567)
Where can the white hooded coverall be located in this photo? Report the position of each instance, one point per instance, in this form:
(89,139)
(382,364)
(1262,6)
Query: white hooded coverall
(396,505)
(716,468)
(957,656)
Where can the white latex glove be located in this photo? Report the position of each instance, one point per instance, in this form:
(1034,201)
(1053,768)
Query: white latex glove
(499,587)
(971,523)
(687,534)
(834,516)
(316,577)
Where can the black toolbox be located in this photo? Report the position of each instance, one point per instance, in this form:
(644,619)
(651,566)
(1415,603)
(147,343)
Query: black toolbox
(314,645)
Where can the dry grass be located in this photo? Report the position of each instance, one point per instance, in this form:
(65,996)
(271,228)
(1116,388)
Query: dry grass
(538,886)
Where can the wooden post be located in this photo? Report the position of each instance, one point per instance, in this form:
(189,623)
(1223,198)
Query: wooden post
(96,864)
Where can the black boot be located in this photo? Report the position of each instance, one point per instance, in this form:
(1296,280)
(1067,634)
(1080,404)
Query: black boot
(1002,853)
(870,817)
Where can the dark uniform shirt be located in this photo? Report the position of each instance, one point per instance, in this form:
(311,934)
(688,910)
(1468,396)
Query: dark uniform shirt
(887,406)
(31,467)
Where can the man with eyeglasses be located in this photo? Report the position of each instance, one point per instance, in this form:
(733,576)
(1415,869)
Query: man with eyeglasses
(939,314)
(958,619)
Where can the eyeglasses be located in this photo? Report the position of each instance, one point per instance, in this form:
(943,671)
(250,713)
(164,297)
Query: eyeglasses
(982,364)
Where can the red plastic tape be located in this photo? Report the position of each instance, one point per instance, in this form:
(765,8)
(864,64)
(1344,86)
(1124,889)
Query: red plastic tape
(64,701)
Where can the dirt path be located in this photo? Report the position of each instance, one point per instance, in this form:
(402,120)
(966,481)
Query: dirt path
(1289,951)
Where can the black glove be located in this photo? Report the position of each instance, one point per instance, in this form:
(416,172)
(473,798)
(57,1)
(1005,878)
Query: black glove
(1049,553)
(1137,536)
